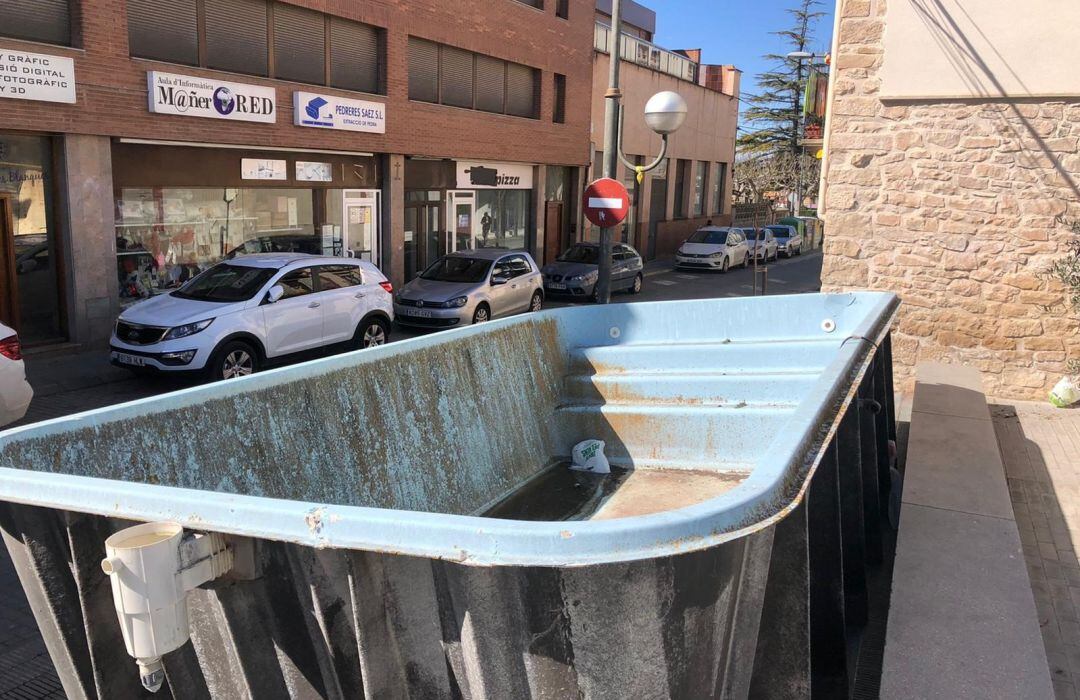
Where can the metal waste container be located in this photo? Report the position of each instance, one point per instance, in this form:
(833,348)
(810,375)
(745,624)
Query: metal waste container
(403,524)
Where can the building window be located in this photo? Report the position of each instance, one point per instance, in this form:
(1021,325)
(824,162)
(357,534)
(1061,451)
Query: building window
(562,9)
(451,76)
(48,21)
(701,170)
(719,180)
(682,174)
(299,35)
(235,37)
(31,303)
(539,4)
(559,115)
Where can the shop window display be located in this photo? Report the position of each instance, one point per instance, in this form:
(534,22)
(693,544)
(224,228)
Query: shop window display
(166,236)
(504,218)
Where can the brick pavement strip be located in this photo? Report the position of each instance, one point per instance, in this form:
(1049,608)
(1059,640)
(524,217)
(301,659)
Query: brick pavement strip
(1040,446)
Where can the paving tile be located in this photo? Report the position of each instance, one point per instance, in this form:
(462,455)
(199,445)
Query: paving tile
(1037,443)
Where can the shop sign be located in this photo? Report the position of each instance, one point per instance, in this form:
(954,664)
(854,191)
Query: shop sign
(36,76)
(494,176)
(331,112)
(215,99)
(314,172)
(259,169)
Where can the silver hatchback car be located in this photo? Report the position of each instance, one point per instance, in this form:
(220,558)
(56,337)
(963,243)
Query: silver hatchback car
(471,286)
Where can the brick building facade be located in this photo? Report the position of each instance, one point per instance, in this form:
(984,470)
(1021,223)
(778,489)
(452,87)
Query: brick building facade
(951,154)
(107,200)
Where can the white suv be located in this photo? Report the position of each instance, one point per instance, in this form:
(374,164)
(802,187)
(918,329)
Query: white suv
(243,314)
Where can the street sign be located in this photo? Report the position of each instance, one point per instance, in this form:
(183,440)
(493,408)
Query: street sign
(606,202)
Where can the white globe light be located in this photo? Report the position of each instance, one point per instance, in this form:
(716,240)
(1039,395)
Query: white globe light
(665,112)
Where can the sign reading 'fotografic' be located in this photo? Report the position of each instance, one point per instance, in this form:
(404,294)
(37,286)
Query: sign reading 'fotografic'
(215,99)
(36,76)
(332,112)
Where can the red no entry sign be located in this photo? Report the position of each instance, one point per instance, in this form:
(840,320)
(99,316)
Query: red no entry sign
(606,202)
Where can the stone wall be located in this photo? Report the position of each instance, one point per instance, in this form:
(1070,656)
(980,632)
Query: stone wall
(956,207)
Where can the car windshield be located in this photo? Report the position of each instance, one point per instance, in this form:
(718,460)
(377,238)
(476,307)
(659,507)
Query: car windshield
(581,254)
(780,231)
(708,237)
(457,269)
(226,283)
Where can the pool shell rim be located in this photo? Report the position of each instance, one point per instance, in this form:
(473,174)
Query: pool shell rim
(765,497)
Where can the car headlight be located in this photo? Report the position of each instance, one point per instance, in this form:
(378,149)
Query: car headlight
(456,303)
(717,255)
(187,329)
(587,277)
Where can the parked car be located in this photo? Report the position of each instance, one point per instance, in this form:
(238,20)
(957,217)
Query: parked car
(243,314)
(15,391)
(575,272)
(788,239)
(471,286)
(763,245)
(713,248)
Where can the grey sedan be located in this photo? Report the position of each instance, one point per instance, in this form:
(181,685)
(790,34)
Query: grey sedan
(470,286)
(574,273)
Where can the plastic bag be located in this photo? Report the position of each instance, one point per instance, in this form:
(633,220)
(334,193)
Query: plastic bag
(588,456)
(1065,393)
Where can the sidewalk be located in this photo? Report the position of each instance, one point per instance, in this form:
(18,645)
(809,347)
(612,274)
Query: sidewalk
(1040,446)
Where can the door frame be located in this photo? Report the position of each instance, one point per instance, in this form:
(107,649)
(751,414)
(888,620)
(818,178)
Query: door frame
(9,290)
(454,198)
(372,198)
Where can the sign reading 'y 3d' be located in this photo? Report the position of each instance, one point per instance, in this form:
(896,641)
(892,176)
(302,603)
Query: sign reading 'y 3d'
(192,96)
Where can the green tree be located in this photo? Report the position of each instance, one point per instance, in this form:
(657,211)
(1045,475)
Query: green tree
(774,113)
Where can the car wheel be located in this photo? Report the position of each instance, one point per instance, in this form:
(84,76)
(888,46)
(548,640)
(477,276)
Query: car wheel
(725,265)
(482,314)
(537,302)
(371,333)
(235,359)
(639,282)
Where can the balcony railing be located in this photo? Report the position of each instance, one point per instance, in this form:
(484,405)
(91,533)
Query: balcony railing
(646,54)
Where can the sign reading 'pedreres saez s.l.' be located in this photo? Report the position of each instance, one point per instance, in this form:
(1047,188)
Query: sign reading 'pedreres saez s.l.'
(193,96)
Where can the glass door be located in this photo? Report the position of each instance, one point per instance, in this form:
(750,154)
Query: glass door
(425,239)
(462,215)
(362,227)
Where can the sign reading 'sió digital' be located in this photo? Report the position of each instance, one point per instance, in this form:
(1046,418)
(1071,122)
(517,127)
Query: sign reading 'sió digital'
(215,99)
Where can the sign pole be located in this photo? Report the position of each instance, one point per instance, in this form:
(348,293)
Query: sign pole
(611,147)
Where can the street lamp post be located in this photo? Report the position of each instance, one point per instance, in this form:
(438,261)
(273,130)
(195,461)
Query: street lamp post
(665,112)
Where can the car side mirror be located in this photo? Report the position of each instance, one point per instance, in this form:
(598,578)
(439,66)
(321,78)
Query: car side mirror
(274,295)
(496,281)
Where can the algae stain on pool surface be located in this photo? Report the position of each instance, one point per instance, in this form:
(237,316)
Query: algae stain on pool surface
(560,493)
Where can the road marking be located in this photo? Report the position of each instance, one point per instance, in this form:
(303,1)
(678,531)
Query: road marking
(778,280)
(666,283)
(687,277)
(747,286)
(653,273)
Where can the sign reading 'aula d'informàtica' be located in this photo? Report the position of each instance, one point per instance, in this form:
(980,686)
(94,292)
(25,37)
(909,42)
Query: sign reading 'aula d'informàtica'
(191,96)
(36,76)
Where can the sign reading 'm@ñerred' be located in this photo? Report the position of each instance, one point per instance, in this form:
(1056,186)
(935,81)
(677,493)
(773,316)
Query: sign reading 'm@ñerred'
(606,202)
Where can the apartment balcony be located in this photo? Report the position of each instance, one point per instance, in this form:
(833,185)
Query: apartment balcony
(646,54)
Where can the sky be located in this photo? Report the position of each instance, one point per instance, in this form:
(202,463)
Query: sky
(734,31)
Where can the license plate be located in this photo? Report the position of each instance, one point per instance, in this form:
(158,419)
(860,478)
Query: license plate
(422,313)
(133,360)
(554,285)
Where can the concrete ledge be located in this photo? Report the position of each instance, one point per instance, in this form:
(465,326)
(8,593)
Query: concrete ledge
(962,622)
